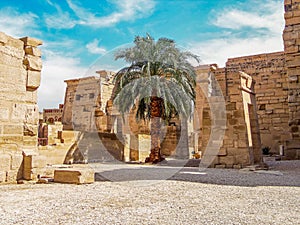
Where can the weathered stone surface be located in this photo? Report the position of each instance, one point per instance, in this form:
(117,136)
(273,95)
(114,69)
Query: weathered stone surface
(8,60)
(228,160)
(4,114)
(16,161)
(13,129)
(220,166)
(28,41)
(3,38)
(18,111)
(41,161)
(33,63)
(74,176)
(17,53)
(292,34)
(30,50)
(15,43)
(2,176)
(12,176)
(33,79)
(5,162)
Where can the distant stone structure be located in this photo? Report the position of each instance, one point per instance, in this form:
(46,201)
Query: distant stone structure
(260,94)
(53,115)
(85,99)
(20,68)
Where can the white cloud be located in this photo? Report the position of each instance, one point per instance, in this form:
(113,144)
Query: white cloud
(267,15)
(128,10)
(94,48)
(61,20)
(17,24)
(57,68)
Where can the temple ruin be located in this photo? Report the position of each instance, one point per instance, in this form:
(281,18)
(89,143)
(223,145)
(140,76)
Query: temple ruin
(251,103)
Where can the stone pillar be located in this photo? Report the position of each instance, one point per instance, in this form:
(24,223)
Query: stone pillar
(251,119)
(182,148)
(291,37)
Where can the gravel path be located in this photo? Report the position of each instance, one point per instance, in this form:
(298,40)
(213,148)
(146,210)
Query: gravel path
(212,196)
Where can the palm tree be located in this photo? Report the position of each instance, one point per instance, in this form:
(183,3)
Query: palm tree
(160,81)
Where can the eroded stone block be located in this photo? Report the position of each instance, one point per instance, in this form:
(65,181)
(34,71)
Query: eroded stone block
(33,63)
(30,50)
(28,41)
(74,176)
(33,79)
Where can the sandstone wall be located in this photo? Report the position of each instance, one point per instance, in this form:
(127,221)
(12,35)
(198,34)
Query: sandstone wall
(225,124)
(85,104)
(291,37)
(271,88)
(20,66)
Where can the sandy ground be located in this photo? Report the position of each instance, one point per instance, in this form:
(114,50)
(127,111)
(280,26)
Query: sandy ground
(160,195)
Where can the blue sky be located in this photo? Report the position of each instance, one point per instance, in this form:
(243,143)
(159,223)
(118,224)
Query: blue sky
(78,34)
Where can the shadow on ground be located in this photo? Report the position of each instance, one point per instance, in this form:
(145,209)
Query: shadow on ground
(284,173)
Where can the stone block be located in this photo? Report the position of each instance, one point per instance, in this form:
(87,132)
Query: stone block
(293,78)
(288,15)
(12,52)
(39,161)
(242,159)
(2,176)
(5,162)
(296,13)
(206,122)
(31,96)
(74,176)
(15,43)
(4,114)
(242,143)
(33,63)
(33,79)
(16,161)
(220,166)
(237,166)
(222,152)
(28,41)
(227,160)
(3,38)
(239,128)
(11,139)
(13,129)
(12,176)
(9,60)
(295,62)
(231,106)
(30,50)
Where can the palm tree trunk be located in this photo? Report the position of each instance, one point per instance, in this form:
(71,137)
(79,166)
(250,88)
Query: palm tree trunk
(155,114)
